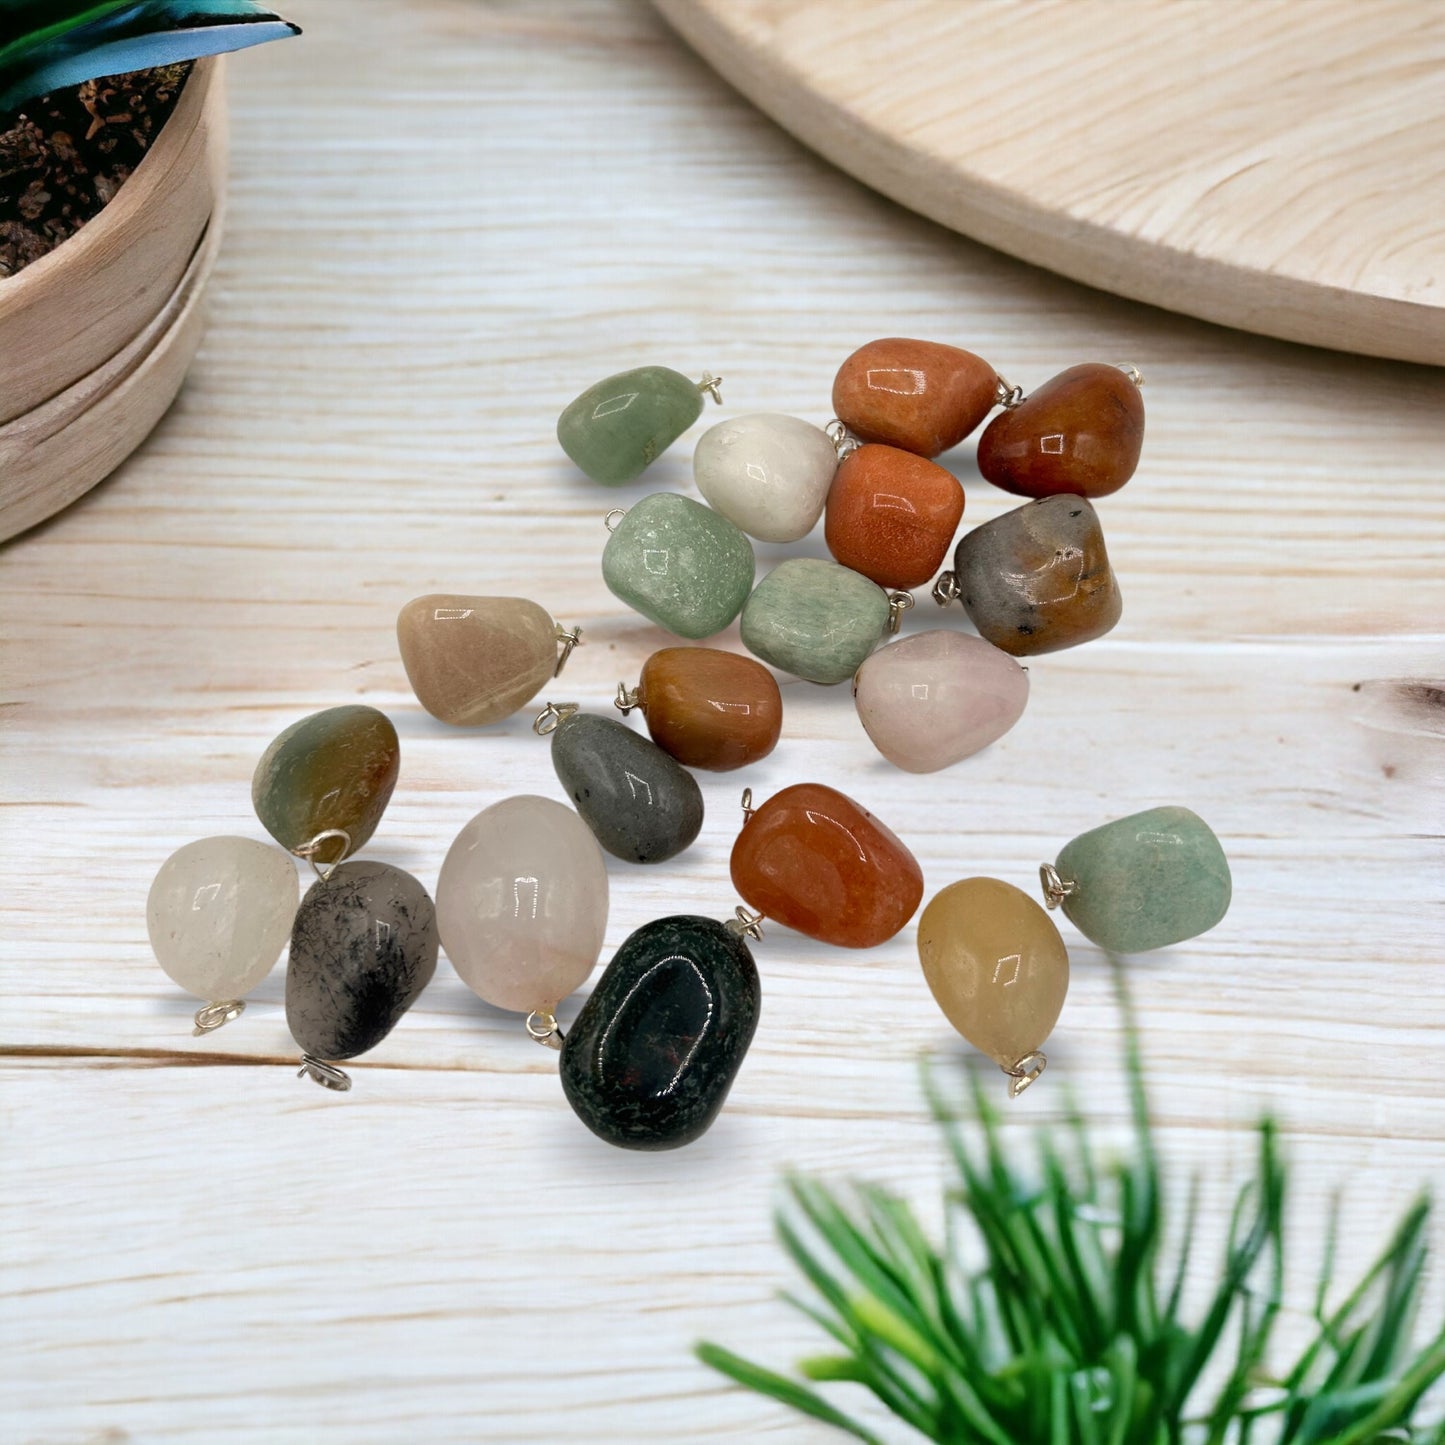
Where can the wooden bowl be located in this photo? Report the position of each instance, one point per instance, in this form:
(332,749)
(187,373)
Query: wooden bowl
(96,337)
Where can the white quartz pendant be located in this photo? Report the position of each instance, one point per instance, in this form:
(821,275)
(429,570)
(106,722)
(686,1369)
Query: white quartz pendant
(522,903)
(767,474)
(219,914)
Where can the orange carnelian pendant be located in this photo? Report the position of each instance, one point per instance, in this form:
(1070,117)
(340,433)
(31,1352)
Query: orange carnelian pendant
(998,969)
(815,861)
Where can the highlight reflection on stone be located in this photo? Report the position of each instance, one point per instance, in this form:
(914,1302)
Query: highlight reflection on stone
(652,1055)
(522,903)
(219,913)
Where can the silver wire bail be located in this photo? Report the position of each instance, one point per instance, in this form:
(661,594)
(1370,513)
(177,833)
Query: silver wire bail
(712,386)
(1025,1072)
(619,513)
(745,924)
(1006,394)
(898,604)
(946,589)
(1056,889)
(551,716)
(1131,371)
(844,442)
(217,1015)
(320,1072)
(627,698)
(309,849)
(748,809)
(543,1028)
(569,638)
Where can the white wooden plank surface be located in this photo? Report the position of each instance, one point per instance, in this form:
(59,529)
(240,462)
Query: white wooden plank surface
(442,227)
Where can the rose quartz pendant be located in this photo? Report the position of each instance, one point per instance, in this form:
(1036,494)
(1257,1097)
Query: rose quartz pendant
(929,700)
(522,904)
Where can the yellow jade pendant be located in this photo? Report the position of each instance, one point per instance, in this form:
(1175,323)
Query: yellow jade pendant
(998,968)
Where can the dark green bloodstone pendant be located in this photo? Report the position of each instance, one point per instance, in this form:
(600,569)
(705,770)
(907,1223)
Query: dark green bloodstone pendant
(657,1046)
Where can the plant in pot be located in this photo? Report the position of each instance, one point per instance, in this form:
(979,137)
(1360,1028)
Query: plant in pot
(112,179)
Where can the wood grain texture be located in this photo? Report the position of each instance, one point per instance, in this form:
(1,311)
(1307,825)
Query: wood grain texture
(444,225)
(1253,162)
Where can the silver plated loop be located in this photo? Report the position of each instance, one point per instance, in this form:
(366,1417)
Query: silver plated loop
(1006,394)
(946,589)
(619,513)
(712,385)
(627,698)
(548,719)
(1056,889)
(311,847)
(569,638)
(1131,371)
(898,604)
(543,1028)
(320,1072)
(844,442)
(1024,1072)
(745,924)
(748,809)
(217,1015)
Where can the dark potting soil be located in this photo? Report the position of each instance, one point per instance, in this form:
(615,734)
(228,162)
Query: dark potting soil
(64,156)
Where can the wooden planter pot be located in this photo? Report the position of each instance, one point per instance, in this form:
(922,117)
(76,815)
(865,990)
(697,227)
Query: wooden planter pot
(96,337)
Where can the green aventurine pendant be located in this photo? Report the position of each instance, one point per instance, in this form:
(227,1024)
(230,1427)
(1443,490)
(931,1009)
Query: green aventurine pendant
(678,563)
(1141,882)
(658,1044)
(616,429)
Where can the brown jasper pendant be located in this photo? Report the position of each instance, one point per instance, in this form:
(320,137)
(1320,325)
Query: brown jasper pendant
(817,862)
(709,709)
(998,969)
(918,395)
(1080,433)
(892,515)
(1036,579)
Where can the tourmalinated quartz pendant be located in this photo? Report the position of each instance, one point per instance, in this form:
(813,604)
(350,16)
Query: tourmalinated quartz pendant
(640,804)
(1142,882)
(918,395)
(679,564)
(1078,434)
(522,903)
(476,660)
(657,1046)
(768,474)
(616,429)
(219,914)
(815,861)
(814,619)
(892,515)
(1036,579)
(332,771)
(931,699)
(997,967)
(708,709)
(363,947)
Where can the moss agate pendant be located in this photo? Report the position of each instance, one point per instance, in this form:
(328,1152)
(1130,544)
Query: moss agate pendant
(1142,882)
(657,1046)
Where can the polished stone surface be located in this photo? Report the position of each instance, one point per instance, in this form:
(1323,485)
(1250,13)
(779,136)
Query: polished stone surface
(815,861)
(363,947)
(618,427)
(710,709)
(1079,433)
(767,473)
(641,805)
(814,619)
(522,903)
(219,913)
(933,698)
(919,395)
(996,965)
(652,1055)
(1146,881)
(334,769)
(1038,578)
(475,660)
(892,515)
(680,564)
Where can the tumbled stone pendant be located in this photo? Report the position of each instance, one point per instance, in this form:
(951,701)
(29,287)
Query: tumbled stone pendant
(767,474)
(363,946)
(1142,882)
(1079,433)
(918,395)
(709,709)
(678,563)
(1036,579)
(892,515)
(998,969)
(219,913)
(522,904)
(816,619)
(656,1047)
(617,428)
(641,805)
(815,861)
(929,700)
(321,787)
(475,660)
